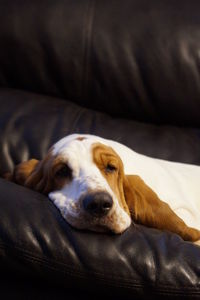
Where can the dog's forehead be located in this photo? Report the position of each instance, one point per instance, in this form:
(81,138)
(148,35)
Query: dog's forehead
(80,155)
(76,147)
(71,147)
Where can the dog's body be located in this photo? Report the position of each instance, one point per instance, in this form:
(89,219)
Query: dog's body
(85,178)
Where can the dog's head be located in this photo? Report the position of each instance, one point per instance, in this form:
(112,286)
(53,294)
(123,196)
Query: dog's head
(84,179)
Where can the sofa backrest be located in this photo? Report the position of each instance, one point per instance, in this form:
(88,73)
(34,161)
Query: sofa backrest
(139,60)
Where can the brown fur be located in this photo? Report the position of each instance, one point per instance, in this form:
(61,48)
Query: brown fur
(146,208)
(22,171)
(38,175)
(104,155)
(135,197)
(142,202)
(81,138)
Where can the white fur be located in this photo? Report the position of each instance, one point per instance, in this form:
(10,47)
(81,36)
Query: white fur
(86,177)
(175,183)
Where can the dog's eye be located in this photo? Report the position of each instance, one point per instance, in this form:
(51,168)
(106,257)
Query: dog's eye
(64,172)
(110,168)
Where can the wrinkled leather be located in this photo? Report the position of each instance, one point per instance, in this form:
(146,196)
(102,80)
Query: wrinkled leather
(36,241)
(30,124)
(137,59)
(137,262)
(115,69)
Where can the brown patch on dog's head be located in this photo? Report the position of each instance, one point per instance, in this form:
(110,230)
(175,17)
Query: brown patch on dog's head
(111,167)
(81,138)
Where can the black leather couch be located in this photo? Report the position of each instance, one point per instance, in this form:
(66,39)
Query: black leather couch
(125,70)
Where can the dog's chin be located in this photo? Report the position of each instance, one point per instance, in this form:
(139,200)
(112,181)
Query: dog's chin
(90,227)
(105,229)
(104,225)
(99,228)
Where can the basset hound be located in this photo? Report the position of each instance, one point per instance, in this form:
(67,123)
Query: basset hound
(102,185)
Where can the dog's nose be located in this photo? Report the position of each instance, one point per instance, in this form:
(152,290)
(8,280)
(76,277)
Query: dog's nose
(98,204)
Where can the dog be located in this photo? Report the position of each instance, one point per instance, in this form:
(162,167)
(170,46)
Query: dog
(102,185)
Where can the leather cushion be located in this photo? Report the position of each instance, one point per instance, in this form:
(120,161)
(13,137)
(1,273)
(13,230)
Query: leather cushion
(36,241)
(31,123)
(137,59)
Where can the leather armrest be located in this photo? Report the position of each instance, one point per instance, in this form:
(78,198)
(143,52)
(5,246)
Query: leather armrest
(35,240)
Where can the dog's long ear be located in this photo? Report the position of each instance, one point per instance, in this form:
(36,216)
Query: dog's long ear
(33,174)
(146,208)
(21,171)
